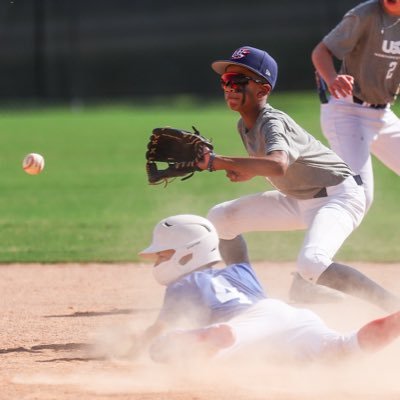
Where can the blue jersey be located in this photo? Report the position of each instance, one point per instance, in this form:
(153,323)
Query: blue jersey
(211,295)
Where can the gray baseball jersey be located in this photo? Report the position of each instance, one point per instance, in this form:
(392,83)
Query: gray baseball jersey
(312,165)
(367,40)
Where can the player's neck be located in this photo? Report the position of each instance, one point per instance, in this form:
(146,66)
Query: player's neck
(250,116)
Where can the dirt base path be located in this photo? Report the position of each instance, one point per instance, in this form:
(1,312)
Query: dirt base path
(60,325)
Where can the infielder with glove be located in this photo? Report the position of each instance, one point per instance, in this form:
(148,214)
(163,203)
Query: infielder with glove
(316,191)
(357,119)
(210,313)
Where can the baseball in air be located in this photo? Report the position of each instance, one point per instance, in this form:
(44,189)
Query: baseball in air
(33,163)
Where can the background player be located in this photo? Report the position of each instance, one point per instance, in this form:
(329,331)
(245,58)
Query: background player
(227,309)
(316,190)
(357,119)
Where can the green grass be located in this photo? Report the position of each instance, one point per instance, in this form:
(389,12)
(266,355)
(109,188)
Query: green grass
(93,203)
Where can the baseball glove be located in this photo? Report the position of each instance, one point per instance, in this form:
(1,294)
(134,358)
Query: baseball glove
(180,150)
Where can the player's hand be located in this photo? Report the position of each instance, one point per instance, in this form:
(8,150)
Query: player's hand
(203,164)
(236,176)
(341,86)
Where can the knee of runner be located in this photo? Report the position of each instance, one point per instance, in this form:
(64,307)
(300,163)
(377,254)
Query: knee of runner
(312,262)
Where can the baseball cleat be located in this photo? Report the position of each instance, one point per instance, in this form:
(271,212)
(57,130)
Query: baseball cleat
(302,291)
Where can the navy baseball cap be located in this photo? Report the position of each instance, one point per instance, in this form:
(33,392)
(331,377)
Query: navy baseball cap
(256,60)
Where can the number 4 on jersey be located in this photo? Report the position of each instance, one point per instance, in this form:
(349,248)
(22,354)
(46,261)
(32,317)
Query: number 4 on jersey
(224,291)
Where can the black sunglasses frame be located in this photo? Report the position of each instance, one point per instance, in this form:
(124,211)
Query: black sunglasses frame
(238,79)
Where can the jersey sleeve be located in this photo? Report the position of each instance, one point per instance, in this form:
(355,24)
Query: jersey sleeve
(278,139)
(344,37)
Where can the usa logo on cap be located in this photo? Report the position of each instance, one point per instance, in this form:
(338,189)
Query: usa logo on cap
(240,53)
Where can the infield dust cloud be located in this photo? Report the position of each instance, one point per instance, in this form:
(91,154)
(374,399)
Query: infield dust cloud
(352,380)
(246,375)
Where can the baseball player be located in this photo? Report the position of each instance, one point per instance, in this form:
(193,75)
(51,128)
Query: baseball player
(211,313)
(316,191)
(357,119)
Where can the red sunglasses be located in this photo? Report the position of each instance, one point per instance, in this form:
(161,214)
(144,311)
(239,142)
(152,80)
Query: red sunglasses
(235,80)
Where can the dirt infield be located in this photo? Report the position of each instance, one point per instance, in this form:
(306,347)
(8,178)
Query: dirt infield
(60,325)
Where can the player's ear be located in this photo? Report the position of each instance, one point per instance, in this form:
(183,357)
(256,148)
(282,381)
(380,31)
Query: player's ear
(264,91)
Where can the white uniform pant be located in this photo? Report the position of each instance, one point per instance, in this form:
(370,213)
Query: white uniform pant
(328,221)
(354,131)
(289,332)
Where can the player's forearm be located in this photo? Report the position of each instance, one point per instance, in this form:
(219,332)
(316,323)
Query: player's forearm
(323,63)
(255,166)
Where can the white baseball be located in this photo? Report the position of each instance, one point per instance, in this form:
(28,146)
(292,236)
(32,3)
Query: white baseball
(33,163)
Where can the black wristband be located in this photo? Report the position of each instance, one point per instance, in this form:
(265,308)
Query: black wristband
(211,162)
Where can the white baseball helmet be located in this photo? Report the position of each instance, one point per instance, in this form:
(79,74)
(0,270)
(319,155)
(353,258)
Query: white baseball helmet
(194,240)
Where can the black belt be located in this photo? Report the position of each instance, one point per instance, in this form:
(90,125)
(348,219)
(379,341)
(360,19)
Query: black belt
(323,192)
(377,106)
